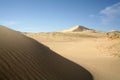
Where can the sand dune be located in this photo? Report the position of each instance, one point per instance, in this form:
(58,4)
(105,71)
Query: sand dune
(77,28)
(22,58)
(113,34)
(94,51)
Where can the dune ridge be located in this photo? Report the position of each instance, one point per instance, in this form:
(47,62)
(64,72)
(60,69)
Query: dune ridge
(77,28)
(23,58)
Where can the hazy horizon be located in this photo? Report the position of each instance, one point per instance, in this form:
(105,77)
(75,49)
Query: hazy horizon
(52,15)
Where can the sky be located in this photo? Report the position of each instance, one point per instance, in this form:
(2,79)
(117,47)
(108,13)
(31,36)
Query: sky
(53,15)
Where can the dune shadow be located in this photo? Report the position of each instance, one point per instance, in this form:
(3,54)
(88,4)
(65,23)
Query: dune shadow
(64,68)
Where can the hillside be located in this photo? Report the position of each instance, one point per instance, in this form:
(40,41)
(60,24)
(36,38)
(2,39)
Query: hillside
(23,58)
(77,28)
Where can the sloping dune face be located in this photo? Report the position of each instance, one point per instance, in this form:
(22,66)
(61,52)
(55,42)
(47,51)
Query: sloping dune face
(22,58)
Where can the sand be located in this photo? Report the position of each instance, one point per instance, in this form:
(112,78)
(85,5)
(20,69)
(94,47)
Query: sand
(23,58)
(77,28)
(95,52)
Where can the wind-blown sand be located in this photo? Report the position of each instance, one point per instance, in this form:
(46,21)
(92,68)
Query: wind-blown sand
(22,58)
(95,52)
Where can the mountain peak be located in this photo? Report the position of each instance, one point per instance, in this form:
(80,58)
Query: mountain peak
(77,28)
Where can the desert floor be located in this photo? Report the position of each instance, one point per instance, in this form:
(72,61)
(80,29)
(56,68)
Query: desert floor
(94,52)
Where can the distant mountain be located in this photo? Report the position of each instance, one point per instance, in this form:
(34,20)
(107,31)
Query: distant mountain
(77,28)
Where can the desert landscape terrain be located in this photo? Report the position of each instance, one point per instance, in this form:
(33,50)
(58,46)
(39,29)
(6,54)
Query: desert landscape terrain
(23,58)
(60,40)
(77,53)
(98,52)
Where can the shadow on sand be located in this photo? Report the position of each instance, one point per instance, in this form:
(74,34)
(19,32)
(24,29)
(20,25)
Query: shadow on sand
(31,60)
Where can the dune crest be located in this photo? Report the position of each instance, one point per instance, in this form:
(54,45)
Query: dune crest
(77,28)
(22,58)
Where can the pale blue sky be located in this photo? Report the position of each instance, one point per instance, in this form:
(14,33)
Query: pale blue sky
(52,15)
